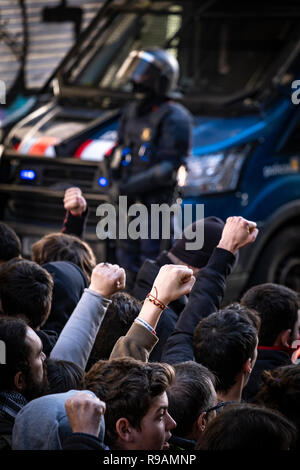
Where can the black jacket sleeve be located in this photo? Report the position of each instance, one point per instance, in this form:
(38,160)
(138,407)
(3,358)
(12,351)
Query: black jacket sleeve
(75,224)
(204,299)
(148,180)
(82,441)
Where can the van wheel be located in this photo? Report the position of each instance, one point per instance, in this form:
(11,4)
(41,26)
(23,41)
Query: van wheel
(280,260)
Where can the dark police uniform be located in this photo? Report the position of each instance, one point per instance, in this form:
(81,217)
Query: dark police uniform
(154,138)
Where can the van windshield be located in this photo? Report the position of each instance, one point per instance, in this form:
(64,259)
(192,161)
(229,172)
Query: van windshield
(221,52)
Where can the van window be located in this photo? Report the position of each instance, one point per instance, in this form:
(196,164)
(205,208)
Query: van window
(221,52)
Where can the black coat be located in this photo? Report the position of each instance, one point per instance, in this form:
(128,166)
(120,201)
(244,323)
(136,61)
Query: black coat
(48,338)
(169,317)
(204,299)
(82,441)
(69,284)
(267,359)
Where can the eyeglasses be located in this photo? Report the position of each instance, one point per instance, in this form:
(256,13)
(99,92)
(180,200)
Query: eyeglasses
(219,405)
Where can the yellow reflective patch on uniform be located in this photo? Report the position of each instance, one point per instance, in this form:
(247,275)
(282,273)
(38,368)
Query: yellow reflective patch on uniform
(146,134)
(295,164)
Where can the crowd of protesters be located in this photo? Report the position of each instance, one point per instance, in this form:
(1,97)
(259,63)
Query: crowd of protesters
(89,365)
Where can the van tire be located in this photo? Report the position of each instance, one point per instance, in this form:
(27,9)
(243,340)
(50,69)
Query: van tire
(279,262)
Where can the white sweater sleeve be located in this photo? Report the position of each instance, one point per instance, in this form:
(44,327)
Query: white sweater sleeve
(77,338)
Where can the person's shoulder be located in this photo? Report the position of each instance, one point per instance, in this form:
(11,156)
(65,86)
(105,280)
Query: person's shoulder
(179,109)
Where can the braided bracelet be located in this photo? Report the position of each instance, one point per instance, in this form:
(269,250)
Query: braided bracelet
(155,300)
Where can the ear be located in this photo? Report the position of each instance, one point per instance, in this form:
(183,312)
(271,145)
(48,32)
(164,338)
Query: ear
(201,422)
(19,381)
(247,367)
(124,430)
(284,338)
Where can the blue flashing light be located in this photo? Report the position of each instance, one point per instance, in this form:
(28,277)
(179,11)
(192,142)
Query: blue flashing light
(102,181)
(125,151)
(27,175)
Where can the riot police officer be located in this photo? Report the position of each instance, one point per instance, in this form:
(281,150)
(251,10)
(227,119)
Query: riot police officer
(154,138)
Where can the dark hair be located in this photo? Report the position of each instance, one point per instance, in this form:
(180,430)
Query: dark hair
(280,390)
(118,318)
(63,375)
(26,291)
(128,387)
(277,307)
(246,426)
(10,245)
(64,247)
(13,333)
(224,341)
(189,395)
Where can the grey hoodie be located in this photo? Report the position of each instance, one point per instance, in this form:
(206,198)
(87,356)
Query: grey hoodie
(43,423)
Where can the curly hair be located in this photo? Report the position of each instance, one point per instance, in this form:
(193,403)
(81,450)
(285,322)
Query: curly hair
(280,390)
(128,387)
(120,314)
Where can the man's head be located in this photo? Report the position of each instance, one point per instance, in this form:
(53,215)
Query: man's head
(64,247)
(136,416)
(120,313)
(24,369)
(248,427)
(226,343)
(278,308)
(152,73)
(280,390)
(26,291)
(190,396)
(10,245)
(211,228)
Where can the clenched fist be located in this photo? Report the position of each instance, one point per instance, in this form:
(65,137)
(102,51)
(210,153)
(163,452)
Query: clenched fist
(84,412)
(237,232)
(172,282)
(107,279)
(74,201)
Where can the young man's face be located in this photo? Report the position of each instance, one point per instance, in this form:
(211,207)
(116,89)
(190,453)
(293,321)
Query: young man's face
(155,426)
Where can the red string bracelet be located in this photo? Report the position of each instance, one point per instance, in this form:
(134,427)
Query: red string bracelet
(155,300)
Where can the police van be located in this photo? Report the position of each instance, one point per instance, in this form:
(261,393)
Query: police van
(239,68)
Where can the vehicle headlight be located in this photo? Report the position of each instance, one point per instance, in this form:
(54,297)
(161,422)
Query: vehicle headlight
(214,173)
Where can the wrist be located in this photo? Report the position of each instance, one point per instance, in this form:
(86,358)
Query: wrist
(150,313)
(100,292)
(76,213)
(228,245)
(160,301)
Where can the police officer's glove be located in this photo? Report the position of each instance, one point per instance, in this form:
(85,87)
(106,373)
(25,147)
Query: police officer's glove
(114,192)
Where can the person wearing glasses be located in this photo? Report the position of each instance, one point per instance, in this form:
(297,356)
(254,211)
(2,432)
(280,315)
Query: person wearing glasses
(193,403)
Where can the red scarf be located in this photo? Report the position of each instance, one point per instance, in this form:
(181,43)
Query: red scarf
(293,353)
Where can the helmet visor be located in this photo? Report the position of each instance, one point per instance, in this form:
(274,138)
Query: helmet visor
(139,69)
